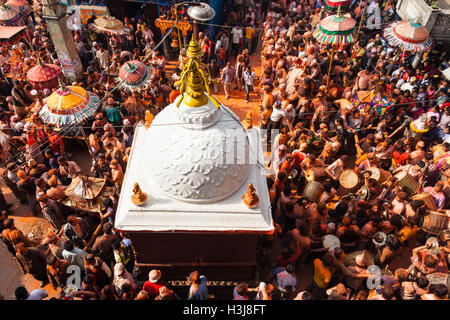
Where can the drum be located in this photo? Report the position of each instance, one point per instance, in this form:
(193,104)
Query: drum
(427,198)
(348,179)
(316,174)
(379,175)
(434,222)
(408,183)
(313,191)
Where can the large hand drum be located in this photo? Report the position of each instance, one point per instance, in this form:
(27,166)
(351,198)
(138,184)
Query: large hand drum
(313,191)
(316,174)
(408,183)
(434,222)
(427,199)
(348,179)
(379,175)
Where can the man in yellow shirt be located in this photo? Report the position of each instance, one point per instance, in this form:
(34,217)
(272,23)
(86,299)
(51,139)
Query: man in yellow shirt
(249,31)
(322,277)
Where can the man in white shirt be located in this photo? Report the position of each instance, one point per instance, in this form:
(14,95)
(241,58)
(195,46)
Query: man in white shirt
(148,34)
(445,119)
(102,58)
(249,78)
(22,293)
(409,85)
(278,113)
(236,36)
(74,255)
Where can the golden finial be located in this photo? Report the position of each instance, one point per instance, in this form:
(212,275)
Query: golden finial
(250,198)
(138,197)
(194,79)
(194,50)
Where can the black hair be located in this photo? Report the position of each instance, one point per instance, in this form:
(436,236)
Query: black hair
(306,295)
(388,292)
(21,293)
(88,279)
(422,282)
(290,268)
(68,245)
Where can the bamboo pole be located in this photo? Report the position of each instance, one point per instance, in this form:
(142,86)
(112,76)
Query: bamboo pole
(96,232)
(86,140)
(329,70)
(362,18)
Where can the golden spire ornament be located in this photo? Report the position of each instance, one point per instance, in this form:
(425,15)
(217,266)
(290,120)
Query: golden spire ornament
(138,197)
(194,79)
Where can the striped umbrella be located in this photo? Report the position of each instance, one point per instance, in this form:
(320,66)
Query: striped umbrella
(333,5)
(109,25)
(408,35)
(68,106)
(336,29)
(10,16)
(20,5)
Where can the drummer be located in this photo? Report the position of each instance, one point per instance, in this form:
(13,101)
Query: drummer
(371,161)
(335,169)
(436,192)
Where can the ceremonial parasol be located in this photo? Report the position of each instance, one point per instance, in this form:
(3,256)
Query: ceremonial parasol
(69,105)
(44,76)
(134,76)
(21,6)
(109,25)
(335,30)
(10,16)
(85,188)
(408,36)
(334,5)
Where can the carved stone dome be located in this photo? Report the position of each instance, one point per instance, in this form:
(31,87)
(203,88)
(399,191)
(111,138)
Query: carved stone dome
(196,154)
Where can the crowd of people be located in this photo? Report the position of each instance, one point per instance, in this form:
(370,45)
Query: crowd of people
(310,127)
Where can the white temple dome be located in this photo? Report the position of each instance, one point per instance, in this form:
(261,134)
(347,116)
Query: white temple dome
(196,154)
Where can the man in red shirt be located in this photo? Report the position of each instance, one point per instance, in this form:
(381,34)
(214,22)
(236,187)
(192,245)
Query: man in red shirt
(153,284)
(55,140)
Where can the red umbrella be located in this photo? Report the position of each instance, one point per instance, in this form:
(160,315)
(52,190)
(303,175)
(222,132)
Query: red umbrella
(333,5)
(134,75)
(44,76)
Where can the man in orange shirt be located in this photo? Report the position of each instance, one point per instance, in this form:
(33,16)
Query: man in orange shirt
(173,94)
(322,277)
(55,140)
